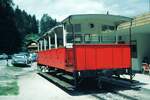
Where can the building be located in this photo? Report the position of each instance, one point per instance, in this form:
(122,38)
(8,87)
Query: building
(140,39)
(32,46)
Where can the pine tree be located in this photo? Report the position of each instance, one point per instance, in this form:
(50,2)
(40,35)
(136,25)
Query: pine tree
(47,23)
(9,39)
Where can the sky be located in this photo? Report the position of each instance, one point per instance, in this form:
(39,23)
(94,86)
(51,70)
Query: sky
(60,9)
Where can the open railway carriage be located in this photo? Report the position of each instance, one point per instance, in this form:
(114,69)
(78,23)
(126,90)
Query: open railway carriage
(82,47)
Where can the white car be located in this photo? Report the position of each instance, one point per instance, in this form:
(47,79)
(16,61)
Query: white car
(20,59)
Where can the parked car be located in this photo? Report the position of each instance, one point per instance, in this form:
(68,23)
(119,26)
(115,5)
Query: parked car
(20,59)
(3,56)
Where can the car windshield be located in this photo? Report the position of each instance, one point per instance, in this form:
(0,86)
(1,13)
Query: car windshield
(20,56)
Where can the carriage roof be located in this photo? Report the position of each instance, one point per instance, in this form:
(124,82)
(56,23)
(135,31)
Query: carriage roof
(97,18)
(82,18)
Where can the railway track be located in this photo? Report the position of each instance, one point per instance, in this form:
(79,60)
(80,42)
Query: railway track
(113,89)
(57,81)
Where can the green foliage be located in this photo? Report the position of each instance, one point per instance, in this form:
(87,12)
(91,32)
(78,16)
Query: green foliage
(10,88)
(15,24)
(6,3)
(31,37)
(25,23)
(16,27)
(47,23)
(28,39)
(9,39)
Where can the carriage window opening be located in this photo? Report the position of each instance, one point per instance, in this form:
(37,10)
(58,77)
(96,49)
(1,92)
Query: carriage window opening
(77,27)
(91,38)
(104,27)
(87,38)
(60,42)
(69,38)
(91,25)
(108,39)
(94,39)
(42,45)
(111,27)
(79,38)
(45,43)
(69,28)
(107,27)
(119,38)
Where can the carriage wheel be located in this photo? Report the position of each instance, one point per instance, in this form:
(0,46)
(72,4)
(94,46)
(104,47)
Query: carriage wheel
(76,80)
(99,83)
(39,67)
(131,74)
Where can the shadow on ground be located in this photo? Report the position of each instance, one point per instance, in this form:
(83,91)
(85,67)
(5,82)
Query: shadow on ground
(89,87)
(21,65)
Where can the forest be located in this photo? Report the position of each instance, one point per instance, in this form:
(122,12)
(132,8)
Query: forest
(16,25)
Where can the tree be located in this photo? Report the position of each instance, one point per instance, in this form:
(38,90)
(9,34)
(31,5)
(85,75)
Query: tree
(35,27)
(26,24)
(10,38)
(6,3)
(15,24)
(29,38)
(46,23)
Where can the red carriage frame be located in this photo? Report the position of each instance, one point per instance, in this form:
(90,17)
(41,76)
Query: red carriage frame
(85,60)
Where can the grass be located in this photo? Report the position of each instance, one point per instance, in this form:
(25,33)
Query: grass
(8,79)
(9,88)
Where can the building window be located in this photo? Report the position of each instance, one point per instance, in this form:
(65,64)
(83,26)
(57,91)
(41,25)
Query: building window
(134,49)
(107,27)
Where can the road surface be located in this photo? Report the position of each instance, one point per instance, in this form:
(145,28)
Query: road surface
(32,86)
